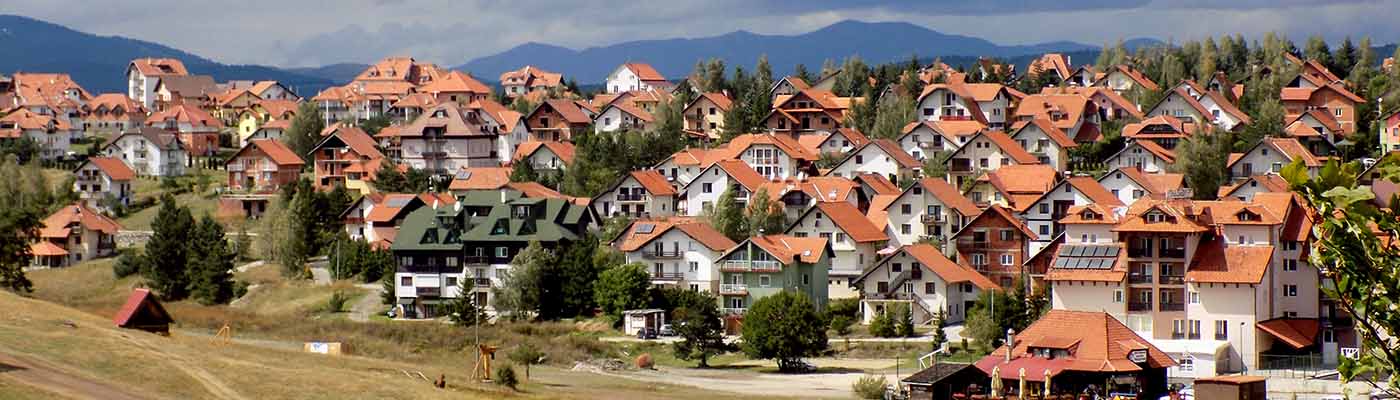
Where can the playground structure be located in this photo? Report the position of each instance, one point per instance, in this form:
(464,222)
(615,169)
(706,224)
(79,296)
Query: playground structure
(482,370)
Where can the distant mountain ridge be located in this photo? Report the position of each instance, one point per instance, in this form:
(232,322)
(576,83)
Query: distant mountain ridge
(99,62)
(875,42)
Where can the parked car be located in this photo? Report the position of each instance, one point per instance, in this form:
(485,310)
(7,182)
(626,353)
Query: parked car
(646,333)
(666,330)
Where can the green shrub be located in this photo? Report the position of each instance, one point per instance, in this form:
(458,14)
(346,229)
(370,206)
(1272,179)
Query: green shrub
(337,302)
(841,324)
(129,263)
(870,387)
(505,376)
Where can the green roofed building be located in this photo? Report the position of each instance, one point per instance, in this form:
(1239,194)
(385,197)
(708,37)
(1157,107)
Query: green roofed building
(445,250)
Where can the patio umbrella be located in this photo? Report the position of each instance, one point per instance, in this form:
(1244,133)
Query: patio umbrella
(1021,388)
(1047,383)
(996,381)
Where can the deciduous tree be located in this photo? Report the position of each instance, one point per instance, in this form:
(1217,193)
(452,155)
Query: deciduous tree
(785,327)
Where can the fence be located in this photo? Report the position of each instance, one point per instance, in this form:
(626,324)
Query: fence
(1291,366)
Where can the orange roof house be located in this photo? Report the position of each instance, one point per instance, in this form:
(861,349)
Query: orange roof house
(546,155)
(641,193)
(263,165)
(529,79)
(1084,343)
(73,234)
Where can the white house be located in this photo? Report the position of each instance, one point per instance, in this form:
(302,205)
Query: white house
(635,76)
(677,251)
(149,152)
(929,208)
(143,74)
(880,156)
(855,241)
(840,141)
(1043,216)
(1145,155)
(546,156)
(952,102)
(710,184)
(101,177)
(1181,105)
(988,150)
(641,194)
(1271,155)
(1129,184)
(621,115)
(920,277)
(1047,143)
(447,138)
(53,135)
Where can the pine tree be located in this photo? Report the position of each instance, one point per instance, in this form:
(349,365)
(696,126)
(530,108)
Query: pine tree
(727,216)
(893,115)
(388,179)
(800,72)
(523,171)
(301,234)
(1344,58)
(1317,50)
(765,216)
(20,221)
(211,263)
(863,112)
(1206,62)
(168,250)
(1202,158)
(305,129)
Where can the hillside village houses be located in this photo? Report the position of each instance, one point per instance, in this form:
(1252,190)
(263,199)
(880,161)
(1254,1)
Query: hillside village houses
(987,186)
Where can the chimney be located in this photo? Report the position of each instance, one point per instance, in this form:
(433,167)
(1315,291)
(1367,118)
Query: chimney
(1010,343)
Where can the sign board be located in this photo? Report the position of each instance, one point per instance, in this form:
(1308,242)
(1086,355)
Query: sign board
(318,347)
(1182,193)
(1138,356)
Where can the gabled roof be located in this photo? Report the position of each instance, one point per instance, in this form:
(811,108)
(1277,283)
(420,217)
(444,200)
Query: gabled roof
(1022,185)
(1087,186)
(997,211)
(1055,134)
(1073,106)
(563,150)
(1009,147)
(965,95)
(353,137)
(189,86)
(114,168)
(455,82)
(1154,126)
(1102,214)
(1227,107)
(889,148)
(56,225)
(162,138)
(637,235)
(1289,147)
(948,195)
(644,71)
(1176,219)
(653,182)
(878,183)
(1050,62)
(934,261)
(1269,182)
(158,66)
(742,173)
(480,178)
(1190,101)
(275,151)
(1157,185)
(1089,262)
(848,219)
(721,100)
(789,248)
(141,305)
(572,111)
(1156,150)
(1100,344)
(184,113)
(1132,73)
(452,121)
(1217,263)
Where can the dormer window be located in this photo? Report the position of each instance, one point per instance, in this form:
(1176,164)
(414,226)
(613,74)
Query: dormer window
(440,114)
(1090,215)
(1247,216)
(521,211)
(1155,216)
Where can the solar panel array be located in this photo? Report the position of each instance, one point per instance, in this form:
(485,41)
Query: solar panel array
(1086,256)
(398,202)
(645,228)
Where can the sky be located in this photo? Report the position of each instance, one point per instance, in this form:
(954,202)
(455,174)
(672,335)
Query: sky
(299,33)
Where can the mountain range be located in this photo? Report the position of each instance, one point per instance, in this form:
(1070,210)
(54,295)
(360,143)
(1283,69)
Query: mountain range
(99,62)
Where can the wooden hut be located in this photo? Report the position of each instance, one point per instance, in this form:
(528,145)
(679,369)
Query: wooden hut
(142,311)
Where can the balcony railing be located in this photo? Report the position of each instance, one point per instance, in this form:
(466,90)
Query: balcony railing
(667,276)
(630,197)
(1177,306)
(477,260)
(932,219)
(1171,279)
(663,254)
(1139,278)
(890,296)
(961,167)
(428,291)
(1173,253)
(974,245)
(235,167)
(751,266)
(733,289)
(733,311)
(1139,252)
(1137,306)
(482,282)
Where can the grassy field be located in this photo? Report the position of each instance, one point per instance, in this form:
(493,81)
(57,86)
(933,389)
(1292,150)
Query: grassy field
(265,362)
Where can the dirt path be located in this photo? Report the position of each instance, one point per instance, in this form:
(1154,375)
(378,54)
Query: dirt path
(213,384)
(823,385)
(49,378)
(368,305)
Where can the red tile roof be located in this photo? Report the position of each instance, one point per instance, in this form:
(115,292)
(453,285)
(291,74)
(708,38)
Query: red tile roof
(742,173)
(644,72)
(654,182)
(951,272)
(159,66)
(1103,344)
(702,232)
(1054,133)
(140,299)
(56,225)
(1094,190)
(892,149)
(276,151)
(1010,147)
(950,196)
(789,248)
(114,168)
(1298,333)
(849,219)
(1217,263)
(480,178)
(563,150)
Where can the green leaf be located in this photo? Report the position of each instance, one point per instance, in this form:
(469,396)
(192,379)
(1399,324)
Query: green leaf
(1345,196)
(1295,173)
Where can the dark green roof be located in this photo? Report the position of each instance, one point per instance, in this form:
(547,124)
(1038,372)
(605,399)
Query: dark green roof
(449,228)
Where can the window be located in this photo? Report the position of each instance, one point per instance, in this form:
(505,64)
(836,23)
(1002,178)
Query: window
(905,229)
(1195,329)
(1045,229)
(406,281)
(1337,111)
(1194,297)
(451,281)
(1290,265)
(1178,328)
(1290,290)
(1006,259)
(694,266)
(1118,296)
(1044,208)
(707,187)
(806,279)
(929,288)
(1222,330)
(764,280)
(840,237)
(896,267)
(501,252)
(906,209)
(979,259)
(1187,363)
(860,159)
(882,286)
(1006,234)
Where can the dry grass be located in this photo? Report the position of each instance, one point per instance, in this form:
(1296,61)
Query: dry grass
(199,206)
(14,389)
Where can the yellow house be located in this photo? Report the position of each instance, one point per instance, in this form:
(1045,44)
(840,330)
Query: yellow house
(231,105)
(252,118)
(704,116)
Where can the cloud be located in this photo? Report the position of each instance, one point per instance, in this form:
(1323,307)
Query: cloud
(317,32)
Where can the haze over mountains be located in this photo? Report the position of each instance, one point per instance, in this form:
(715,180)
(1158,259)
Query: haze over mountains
(98,62)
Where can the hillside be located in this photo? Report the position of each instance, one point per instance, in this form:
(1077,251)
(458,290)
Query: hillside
(99,62)
(676,57)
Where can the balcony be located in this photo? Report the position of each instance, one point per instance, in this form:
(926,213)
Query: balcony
(663,254)
(1139,252)
(899,295)
(1173,253)
(476,260)
(932,219)
(1174,306)
(733,289)
(482,282)
(235,167)
(751,266)
(621,197)
(667,276)
(1139,306)
(974,245)
(733,311)
(960,165)
(427,291)
(1140,278)
(1172,279)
